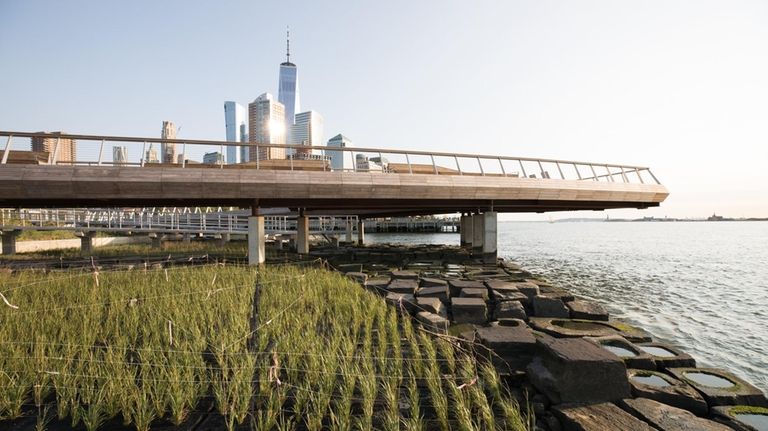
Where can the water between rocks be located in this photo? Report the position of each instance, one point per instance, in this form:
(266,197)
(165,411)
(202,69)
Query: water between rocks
(700,286)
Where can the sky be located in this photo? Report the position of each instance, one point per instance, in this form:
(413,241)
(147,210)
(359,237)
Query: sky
(679,86)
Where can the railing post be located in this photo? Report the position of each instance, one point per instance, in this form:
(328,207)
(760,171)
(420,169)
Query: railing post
(610,175)
(184,155)
(501,165)
(434,166)
(594,174)
(561,171)
(55,154)
(7,149)
(639,177)
(653,176)
(354,165)
(458,167)
(143,153)
(479,163)
(101,152)
(623,175)
(291,158)
(408,160)
(522,168)
(221,153)
(258,156)
(541,168)
(576,168)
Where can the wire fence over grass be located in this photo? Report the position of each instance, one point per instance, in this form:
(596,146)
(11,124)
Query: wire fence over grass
(327,354)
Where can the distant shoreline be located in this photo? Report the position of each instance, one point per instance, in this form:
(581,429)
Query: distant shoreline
(653,219)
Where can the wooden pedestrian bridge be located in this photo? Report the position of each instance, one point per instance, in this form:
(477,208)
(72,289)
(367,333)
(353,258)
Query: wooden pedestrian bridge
(373,182)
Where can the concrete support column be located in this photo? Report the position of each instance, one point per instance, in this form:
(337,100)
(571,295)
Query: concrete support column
(349,231)
(86,241)
(9,241)
(256,240)
(465,229)
(360,231)
(157,240)
(489,237)
(302,234)
(478,226)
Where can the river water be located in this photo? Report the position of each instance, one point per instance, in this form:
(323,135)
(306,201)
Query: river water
(702,287)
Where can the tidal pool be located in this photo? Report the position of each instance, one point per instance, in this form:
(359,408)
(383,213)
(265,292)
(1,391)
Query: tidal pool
(619,351)
(658,351)
(651,380)
(711,380)
(757,421)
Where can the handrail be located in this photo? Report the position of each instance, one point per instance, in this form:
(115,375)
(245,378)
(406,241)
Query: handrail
(304,147)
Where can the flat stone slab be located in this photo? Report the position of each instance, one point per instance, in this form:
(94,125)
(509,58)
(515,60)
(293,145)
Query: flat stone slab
(742,418)
(457,285)
(500,285)
(666,389)
(544,306)
(573,370)
(632,355)
(432,282)
(556,292)
(667,356)
(404,300)
(439,292)
(510,295)
(588,328)
(405,275)
(403,286)
(508,339)
(433,322)
(377,284)
(720,387)
(469,310)
(509,310)
(431,304)
(598,417)
(475,292)
(587,310)
(668,418)
(528,289)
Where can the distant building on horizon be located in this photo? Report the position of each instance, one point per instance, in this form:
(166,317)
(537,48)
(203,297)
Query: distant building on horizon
(237,131)
(168,151)
(288,87)
(214,158)
(65,152)
(307,130)
(340,160)
(266,125)
(151,155)
(119,155)
(373,164)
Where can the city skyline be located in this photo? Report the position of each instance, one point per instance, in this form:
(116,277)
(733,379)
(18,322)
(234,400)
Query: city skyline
(676,87)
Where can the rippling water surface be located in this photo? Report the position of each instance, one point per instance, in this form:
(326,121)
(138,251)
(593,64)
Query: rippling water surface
(702,287)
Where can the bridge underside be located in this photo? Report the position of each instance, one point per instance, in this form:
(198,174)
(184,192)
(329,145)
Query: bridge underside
(355,193)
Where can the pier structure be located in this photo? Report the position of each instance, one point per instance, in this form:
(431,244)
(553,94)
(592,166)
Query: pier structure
(393,183)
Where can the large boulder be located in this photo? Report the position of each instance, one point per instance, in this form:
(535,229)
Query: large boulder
(632,355)
(439,292)
(598,417)
(509,310)
(433,305)
(475,292)
(432,282)
(666,356)
(403,286)
(405,275)
(433,322)
(528,289)
(544,306)
(574,370)
(668,418)
(469,310)
(513,346)
(587,310)
(457,285)
(403,301)
(377,285)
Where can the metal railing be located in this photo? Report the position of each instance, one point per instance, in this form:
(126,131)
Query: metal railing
(171,220)
(329,159)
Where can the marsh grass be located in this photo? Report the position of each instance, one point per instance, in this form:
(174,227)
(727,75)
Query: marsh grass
(328,355)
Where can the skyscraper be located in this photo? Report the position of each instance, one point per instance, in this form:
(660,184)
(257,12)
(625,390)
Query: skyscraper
(266,125)
(307,130)
(66,152)
(168,151)
(288,86)
(237,131)
(119,155)
(151,155)
(340,160)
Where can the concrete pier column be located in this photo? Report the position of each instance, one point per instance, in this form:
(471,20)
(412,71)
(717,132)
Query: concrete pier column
(478,226)
(256,240)
(157,239)
(86,241)
(360,231)
(489,237)
(349,231)
(465,229)
(9,241)
(302,234)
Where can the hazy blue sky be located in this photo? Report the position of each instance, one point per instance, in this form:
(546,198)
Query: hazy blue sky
(681,86)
